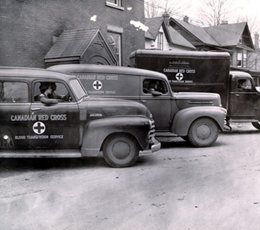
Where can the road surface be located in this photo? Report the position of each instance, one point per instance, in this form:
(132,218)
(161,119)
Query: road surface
(180,187)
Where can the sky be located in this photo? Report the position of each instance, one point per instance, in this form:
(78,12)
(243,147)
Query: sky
(242,9)
(249,9)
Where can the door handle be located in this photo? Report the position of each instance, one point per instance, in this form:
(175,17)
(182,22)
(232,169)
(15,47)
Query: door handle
(35,109)
(144,101)
(237,94)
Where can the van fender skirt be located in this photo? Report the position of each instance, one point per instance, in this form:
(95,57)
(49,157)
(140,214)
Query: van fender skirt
(184,118)
(96,131)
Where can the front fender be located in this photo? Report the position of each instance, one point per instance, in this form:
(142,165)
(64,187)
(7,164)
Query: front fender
(96,131)
(184,118)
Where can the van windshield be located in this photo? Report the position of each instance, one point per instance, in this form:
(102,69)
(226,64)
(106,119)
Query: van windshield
(77,89)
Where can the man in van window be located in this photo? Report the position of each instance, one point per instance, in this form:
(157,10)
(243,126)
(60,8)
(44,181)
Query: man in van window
(156,85)
(244,84)
(48,94)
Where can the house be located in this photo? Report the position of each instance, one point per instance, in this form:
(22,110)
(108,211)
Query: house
(233,38)
(254,57)
(167,33)
(32,30)
(236,38)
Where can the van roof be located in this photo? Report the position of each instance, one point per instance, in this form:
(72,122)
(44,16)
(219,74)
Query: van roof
(170,53)
(91,68)
(28,73)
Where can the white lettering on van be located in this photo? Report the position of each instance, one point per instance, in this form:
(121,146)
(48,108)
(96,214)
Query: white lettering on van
(39,117)
(23,117)
(112,77)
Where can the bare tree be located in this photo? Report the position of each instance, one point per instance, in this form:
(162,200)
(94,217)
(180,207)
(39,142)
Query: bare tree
(154,8)
(214,12)
(252,23)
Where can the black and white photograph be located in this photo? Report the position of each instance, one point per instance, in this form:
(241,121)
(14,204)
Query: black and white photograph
(129,115)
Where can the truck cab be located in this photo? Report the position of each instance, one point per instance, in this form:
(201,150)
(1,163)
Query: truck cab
(244,99)
(197,117)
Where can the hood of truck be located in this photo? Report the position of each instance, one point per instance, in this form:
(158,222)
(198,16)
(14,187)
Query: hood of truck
(188,99)
(95,107)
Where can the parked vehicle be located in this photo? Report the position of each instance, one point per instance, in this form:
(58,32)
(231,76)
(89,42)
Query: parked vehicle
(49,114)
(196,117)
(206,72)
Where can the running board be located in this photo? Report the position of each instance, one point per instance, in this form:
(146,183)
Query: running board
(165,134)
(242,120)
(40,154)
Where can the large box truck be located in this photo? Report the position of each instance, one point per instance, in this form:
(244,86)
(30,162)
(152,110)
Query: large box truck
(204,71)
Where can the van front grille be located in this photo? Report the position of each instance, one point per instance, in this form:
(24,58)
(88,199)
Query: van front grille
(151,132)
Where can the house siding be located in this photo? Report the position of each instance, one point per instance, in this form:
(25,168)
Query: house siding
(28,28)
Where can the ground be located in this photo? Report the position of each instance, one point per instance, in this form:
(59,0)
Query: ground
(179,187)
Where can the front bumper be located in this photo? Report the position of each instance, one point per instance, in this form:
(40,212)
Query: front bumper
(155,145)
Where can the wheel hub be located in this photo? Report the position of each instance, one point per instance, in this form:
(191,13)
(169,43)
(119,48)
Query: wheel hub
(121,150)
(203,132)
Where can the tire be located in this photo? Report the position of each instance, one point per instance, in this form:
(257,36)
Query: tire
(120,151)
(185,138)
(203,132)
(256,124)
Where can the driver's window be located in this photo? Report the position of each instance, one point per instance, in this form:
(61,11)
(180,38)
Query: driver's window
(51,90)
(244,84)
(150,85)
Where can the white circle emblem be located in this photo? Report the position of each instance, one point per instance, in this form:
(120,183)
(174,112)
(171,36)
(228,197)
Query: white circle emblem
(179,76)
(39,127)
(97,85)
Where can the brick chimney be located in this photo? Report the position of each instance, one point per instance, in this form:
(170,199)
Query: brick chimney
(166,18)
(186,19)
(256,40)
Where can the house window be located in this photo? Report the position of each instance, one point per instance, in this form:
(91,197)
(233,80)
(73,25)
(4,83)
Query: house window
(245,59)
(239,59)
(242,58)
(115,4)
(160,41)
(115,42)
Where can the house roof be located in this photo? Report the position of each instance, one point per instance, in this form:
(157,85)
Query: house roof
(72,43)
(154,25)
(197,31)
(178,39)
(229,34)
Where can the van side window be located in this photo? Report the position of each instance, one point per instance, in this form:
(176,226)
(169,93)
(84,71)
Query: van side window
(51,90)
(14,92)
(150,85)
(244,84)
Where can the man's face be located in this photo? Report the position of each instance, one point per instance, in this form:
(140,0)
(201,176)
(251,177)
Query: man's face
(49,90)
